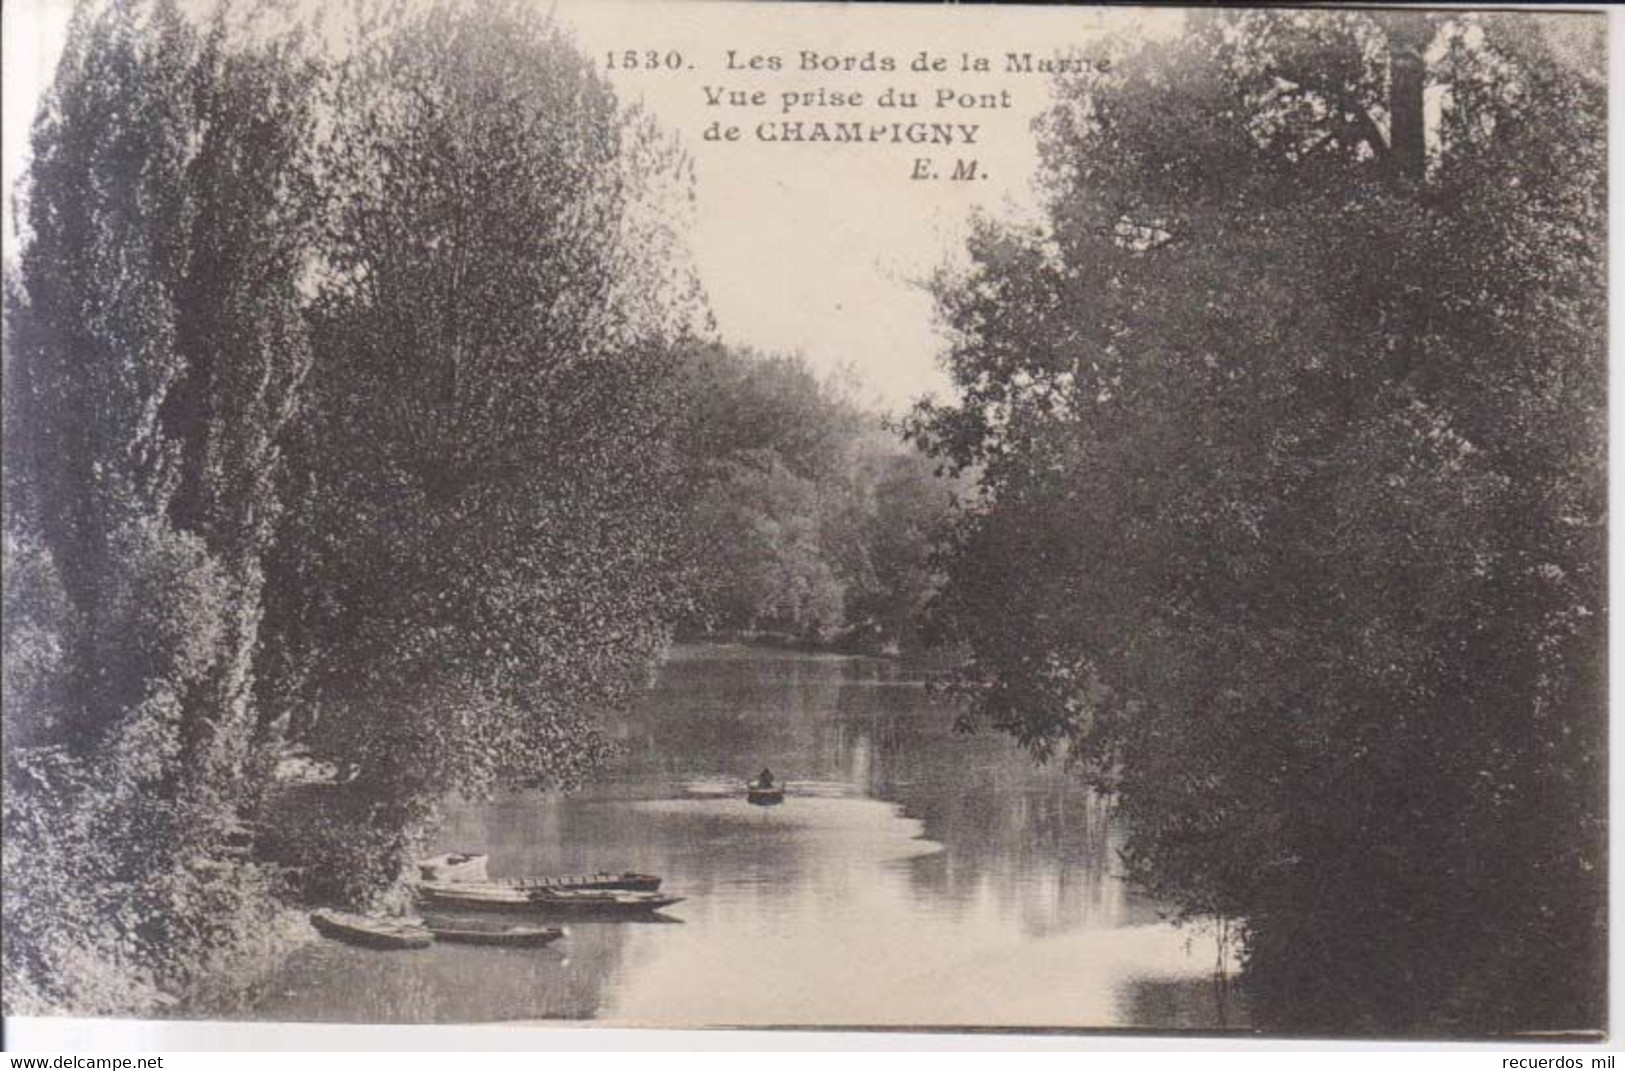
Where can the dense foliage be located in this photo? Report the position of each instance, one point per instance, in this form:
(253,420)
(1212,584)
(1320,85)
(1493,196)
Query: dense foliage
(806,518)
(154,350)
(482,556)
(358,433)
(1287,429)
(337,442)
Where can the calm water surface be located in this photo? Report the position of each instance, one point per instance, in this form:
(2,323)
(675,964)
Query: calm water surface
(912,877)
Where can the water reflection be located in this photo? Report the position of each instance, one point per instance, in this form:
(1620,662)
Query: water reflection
(913,876)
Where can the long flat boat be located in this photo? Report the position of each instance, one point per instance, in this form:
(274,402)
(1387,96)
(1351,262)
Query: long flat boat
(478,894)
(628,882)
(493,897)
(373,931)
(468,932)
(600,901)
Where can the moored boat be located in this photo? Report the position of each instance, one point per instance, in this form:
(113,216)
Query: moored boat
(454,866)
(469,932)
(628,882)
(491,897)
(600,901)
(373,931)
(475,893)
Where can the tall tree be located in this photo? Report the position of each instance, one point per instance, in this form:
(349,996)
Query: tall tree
(94,322)
(154,348)
(242,332)
(480,556)
(1287,433)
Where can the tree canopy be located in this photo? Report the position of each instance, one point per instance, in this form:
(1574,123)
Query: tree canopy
(1287,433)
(339,428)
(484,469)
(155,349)
(804,515)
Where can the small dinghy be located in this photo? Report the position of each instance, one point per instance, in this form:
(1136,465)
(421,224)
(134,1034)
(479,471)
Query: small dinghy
(490,896)
(763,790)
(454,866)
(373,931)
(470,932)
(764,795)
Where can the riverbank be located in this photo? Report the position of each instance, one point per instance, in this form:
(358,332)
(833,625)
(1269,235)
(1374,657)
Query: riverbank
(230,988)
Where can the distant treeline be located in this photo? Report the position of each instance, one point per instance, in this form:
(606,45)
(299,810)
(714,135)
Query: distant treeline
(810,521)
(362,445)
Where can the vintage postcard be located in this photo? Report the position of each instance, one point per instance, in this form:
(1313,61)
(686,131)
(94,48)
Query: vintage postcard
(825,516)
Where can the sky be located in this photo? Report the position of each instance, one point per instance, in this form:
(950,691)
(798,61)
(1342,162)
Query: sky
(811,248)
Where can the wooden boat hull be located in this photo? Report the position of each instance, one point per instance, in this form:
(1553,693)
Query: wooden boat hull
(562,902)
(371,932)
(474,934)
(627,882)
(603,909)
(478,897)
(606,904)
(764,797)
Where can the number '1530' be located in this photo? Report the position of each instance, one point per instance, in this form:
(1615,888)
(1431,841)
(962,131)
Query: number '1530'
(644,60)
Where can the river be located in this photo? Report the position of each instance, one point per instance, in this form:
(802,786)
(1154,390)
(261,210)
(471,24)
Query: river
(913,877)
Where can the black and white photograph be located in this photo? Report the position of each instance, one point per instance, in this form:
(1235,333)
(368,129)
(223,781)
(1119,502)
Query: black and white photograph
(704,515)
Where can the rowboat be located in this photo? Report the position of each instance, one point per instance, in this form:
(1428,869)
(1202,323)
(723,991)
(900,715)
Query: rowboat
(374,931)
(492,897)
(469,932)
(454,866)
(628,882)
(764,795)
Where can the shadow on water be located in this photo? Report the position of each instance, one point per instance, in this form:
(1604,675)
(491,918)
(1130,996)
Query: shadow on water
(445,983)
(913,876)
